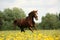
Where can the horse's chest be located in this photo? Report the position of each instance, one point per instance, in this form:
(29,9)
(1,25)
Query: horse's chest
(29,23)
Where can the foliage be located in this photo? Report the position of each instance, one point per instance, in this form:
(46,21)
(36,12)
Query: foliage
(50,21)
(59,16)
(9,15)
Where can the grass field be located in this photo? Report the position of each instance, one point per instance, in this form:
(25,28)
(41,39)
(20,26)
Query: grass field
(28,35)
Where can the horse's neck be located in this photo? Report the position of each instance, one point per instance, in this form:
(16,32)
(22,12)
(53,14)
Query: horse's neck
(30,18)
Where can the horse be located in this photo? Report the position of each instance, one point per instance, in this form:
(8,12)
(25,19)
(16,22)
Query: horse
(27,22)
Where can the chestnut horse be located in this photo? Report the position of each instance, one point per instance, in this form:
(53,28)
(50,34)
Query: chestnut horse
(27,22)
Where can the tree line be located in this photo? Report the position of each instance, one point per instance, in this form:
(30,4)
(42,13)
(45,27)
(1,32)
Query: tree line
(50,21)
(7,16)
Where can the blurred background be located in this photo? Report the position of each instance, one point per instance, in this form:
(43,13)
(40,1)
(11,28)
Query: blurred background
(49,21)
(48,13)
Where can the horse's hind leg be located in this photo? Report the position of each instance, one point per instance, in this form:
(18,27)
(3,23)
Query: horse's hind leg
(35,27)
(15,24)
(22,30)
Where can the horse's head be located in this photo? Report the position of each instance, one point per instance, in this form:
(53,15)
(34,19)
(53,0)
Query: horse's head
(34,14)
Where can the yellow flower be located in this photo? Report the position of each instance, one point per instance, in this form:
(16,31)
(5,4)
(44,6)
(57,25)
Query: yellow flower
(40,35)
(1,38)
(48,38)
(57,38)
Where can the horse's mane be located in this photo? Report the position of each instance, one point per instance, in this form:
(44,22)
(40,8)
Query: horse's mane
(32,12)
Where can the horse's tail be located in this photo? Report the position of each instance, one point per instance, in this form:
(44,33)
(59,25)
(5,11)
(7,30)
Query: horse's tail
(14,23)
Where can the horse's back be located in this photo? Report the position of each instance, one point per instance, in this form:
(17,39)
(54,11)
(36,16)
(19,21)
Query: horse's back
(20,21)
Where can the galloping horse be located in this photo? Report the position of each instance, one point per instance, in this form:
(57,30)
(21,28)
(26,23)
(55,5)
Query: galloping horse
(27,22)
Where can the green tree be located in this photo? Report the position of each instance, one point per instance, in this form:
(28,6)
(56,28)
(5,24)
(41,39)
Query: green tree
(50,21)
(1,16)
(9,15)
(59,16)
(18,13)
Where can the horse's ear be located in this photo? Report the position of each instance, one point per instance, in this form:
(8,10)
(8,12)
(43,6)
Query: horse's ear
(35,10)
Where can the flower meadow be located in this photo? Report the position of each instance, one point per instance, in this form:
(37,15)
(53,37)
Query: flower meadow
(28,35)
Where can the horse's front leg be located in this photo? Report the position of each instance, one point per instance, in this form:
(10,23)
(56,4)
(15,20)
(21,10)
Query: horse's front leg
(35,27)
(31,29)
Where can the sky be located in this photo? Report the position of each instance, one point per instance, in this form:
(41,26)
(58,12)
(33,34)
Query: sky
(43,6)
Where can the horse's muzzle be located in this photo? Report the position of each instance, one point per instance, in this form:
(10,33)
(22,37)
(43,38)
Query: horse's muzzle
(36,18)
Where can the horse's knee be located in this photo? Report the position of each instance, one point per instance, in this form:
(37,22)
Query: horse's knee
(30,29)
